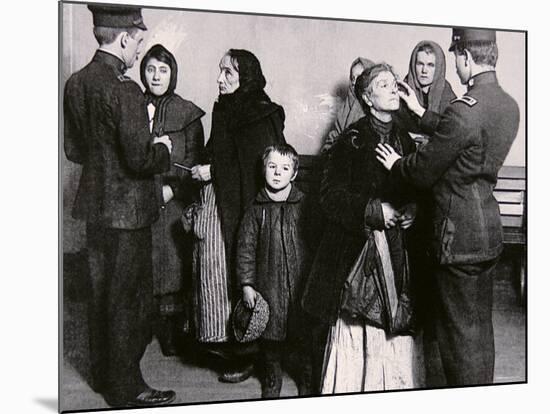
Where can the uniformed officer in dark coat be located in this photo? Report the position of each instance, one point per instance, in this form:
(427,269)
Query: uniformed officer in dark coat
(460,165)
(106,131)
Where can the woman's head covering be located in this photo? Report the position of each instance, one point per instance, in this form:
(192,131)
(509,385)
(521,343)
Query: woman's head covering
(438,84)
(247,64)
(251,85)
(351,111)
(162,54)
(366,63)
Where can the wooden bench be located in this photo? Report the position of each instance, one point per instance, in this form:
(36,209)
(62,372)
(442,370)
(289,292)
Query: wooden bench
(309,174)
(509,192)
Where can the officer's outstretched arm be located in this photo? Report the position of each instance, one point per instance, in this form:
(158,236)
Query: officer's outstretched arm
(425,166)
(138,150)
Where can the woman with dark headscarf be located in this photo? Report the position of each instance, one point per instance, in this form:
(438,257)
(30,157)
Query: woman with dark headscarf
(351,110)
(244,122)
(181,119)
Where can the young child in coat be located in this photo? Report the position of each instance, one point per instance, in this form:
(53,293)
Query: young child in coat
(272,259)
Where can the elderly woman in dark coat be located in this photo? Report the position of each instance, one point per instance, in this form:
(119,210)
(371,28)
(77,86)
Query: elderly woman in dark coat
(172,251)
(244,122)
(359,283)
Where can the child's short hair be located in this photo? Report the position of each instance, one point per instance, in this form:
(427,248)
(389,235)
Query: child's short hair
(285,150)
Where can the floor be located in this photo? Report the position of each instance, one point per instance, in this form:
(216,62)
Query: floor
(194,377)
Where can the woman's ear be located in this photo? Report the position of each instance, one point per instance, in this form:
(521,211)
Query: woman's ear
(366,99)
(467,57)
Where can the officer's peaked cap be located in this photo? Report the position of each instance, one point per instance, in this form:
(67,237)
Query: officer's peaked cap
(117,16)
(461,35)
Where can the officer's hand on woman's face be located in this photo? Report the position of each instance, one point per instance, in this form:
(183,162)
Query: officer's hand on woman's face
(386,155)
(408,96)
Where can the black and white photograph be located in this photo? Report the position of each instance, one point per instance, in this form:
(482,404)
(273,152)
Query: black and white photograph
(265,206)
(275,206)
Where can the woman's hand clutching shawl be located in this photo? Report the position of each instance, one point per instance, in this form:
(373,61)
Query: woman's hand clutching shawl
(391,215)
(407,215)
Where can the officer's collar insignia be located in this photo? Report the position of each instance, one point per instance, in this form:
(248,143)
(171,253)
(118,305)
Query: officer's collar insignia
(137,21)
(468,100)
(456,38)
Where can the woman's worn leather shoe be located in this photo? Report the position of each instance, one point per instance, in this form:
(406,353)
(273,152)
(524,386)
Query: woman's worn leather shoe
(152,397)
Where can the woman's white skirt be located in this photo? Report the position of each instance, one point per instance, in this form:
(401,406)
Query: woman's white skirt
(359,357)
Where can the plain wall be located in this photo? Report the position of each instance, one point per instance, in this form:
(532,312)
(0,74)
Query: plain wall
(305,62)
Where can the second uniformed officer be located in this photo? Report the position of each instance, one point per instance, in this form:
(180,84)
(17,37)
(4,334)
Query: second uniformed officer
(106,131)
(460,165)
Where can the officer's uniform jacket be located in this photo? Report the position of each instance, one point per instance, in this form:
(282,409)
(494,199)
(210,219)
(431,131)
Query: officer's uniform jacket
(106,130)
(460,164)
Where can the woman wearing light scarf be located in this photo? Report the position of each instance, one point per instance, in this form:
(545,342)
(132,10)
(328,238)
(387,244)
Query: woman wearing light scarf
(426,77)
(351,110)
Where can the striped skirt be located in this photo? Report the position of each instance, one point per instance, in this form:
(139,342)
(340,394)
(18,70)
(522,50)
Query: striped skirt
(212,304)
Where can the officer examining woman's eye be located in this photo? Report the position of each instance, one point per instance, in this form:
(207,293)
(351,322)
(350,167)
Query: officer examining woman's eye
(459,165)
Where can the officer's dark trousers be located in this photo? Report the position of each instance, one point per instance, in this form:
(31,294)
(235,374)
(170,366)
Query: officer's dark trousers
(464,326)
(119,309)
